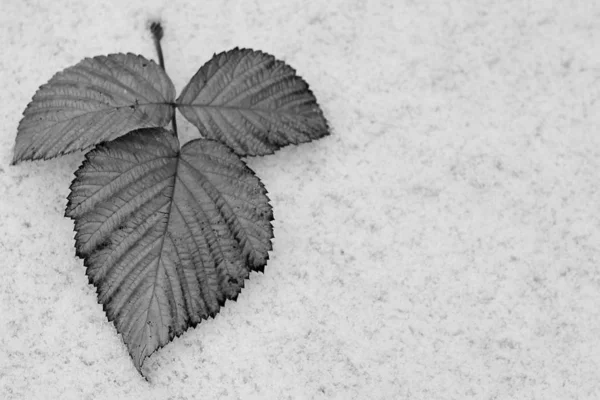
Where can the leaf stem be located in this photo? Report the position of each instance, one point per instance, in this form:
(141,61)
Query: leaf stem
(157,34)
(174,121)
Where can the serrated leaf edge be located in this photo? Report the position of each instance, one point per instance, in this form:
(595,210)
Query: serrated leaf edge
(192,325)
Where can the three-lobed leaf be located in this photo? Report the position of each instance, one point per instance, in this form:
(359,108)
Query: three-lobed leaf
(96,100)
(252,102)
(167,234)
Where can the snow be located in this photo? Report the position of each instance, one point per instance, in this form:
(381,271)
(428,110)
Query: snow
(442,243)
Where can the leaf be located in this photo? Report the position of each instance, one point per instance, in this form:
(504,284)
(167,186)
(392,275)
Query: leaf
(96,100)
(252,102)
(167,235)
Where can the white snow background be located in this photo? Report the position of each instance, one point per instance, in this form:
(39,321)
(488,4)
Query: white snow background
(442,243)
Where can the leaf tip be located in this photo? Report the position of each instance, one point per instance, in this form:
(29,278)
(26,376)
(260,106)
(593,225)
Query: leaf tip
(19,155)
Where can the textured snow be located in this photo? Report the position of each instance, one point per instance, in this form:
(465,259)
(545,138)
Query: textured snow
(443,243)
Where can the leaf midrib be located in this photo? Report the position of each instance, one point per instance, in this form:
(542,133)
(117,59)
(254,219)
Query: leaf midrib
(159,259)
(267,111)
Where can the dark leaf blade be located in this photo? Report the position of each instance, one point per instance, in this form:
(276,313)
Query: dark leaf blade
(167,235)
(96,100)
(252,102)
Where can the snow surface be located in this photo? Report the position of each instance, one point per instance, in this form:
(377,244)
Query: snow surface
(443,243)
